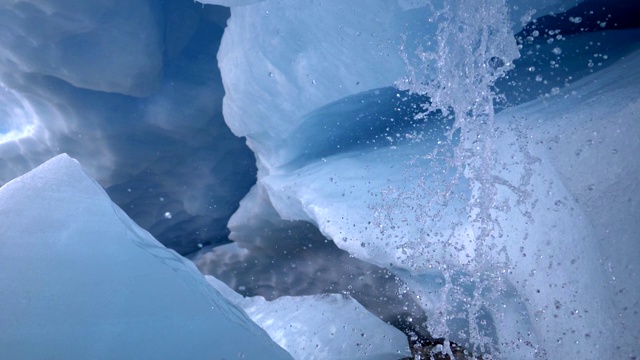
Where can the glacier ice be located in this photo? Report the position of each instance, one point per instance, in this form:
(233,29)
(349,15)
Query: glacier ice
(329,326)
(84,281)
(360,186)
(363,201)
(324,158)
(314,53)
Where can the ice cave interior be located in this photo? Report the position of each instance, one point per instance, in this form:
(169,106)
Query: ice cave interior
(276,179)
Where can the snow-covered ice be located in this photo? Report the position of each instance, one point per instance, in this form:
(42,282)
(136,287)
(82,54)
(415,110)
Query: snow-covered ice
(349,162)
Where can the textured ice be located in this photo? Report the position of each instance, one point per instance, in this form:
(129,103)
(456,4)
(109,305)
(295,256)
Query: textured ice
(343,159)
(365,201)
(346,160)
(297,56)
(84,281)
(329,326)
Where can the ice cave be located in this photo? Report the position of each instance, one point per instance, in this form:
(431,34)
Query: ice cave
(320,179)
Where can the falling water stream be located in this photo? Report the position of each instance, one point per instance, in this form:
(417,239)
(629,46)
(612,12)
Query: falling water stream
(475,47)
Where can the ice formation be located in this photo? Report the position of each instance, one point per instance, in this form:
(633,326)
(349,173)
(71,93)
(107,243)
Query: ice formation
(84,281)
(382,188)
(329,326)
(473,165)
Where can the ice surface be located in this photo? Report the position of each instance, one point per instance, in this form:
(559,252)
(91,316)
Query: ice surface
(66,86)
(297,56)
(84,281)
(311,54)
(367,190)
(593,158)
(366,202)
(329,326)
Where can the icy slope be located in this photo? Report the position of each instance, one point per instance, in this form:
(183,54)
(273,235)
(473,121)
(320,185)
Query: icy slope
(84,281)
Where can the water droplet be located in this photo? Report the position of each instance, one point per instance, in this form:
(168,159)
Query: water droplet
(168,215)
(496,63)
(557,304)
(556,50)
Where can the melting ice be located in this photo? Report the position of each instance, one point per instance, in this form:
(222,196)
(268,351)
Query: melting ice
(464,172)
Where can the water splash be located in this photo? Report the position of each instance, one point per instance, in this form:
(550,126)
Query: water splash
(475,47)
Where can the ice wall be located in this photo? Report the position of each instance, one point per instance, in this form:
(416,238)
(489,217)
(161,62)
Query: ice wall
(313,53)
(86,282)
(358,164)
